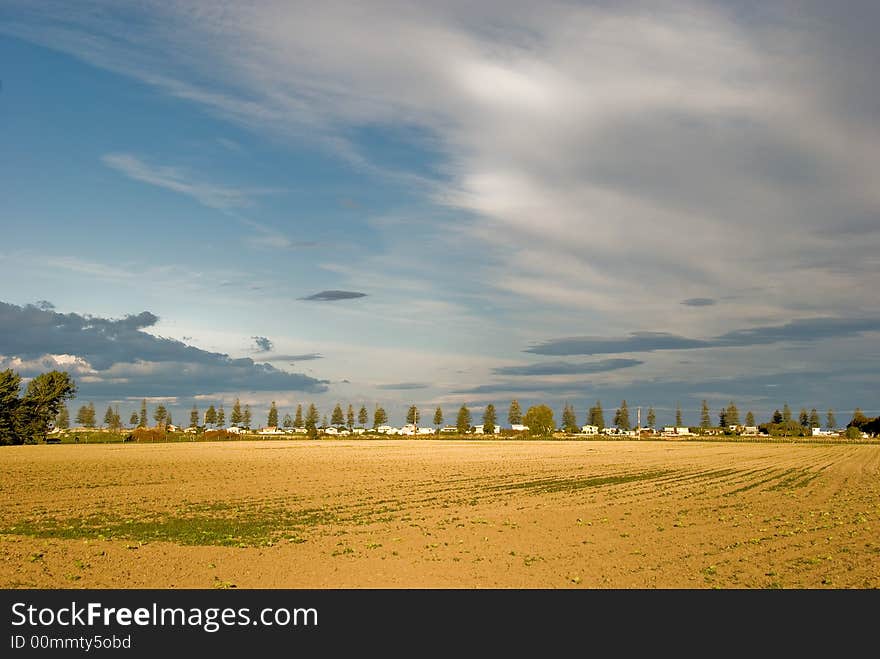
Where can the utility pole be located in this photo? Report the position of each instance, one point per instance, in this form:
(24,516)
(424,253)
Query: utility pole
(639,423)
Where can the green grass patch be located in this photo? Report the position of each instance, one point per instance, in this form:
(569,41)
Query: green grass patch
(547,485)
(232,526)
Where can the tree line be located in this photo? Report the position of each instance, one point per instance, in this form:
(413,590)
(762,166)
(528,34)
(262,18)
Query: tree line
(26,416)
(539,419)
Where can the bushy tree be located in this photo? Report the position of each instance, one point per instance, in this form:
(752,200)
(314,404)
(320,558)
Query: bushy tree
(652,418)
(272,418)
(777,417)
(858,419)
(380,417)
(539,419)
(750,419)
(490,419)
(349,417)
(438,417)
(298,418)
(287,422)
(463,421)
(679,422)
(830,419)
(221,417)
(363,416)
(10,388)
(194,417)
(722,418)
(246,416)
(814,419)
(86,416)
(142,420)
(62,421)
(25,419)
(514,414)
(133,419)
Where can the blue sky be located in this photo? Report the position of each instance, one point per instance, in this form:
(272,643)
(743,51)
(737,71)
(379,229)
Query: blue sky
(663,203)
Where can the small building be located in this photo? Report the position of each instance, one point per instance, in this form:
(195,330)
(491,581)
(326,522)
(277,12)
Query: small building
(518,427)
(331,431)
(449,429)
(750,430)
(235,430)
(270,430)
(481,429)
(385,430)
(589,430)
(192,430)
(358,431)
(426,431)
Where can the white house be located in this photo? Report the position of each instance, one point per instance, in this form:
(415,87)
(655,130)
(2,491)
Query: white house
(426,431)
(358,431)
(192,430)
(676,430)
(235,430)
(270,430)
(750,430)
(385,430)
(481,430)
(331,431)
(448,429)
(518,427)
(302,429)
(408,429)
(821,432)
(589,430)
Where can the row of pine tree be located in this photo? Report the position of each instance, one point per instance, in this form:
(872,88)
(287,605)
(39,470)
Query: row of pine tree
(215,417)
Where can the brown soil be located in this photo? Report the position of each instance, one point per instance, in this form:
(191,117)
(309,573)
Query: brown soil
(445,514)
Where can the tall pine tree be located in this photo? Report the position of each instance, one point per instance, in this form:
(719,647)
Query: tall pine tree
(514,415)
(490,419)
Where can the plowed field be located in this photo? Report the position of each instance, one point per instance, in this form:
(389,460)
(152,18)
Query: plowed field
(445,514)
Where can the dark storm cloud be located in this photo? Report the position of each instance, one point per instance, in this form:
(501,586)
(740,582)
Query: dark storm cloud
(403,386)
(760,393)
(699,302)
(263,344)
(545,389)
(333,296)
(635,342)
(307,357)
(567,368)
(806,329)
(126,359)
